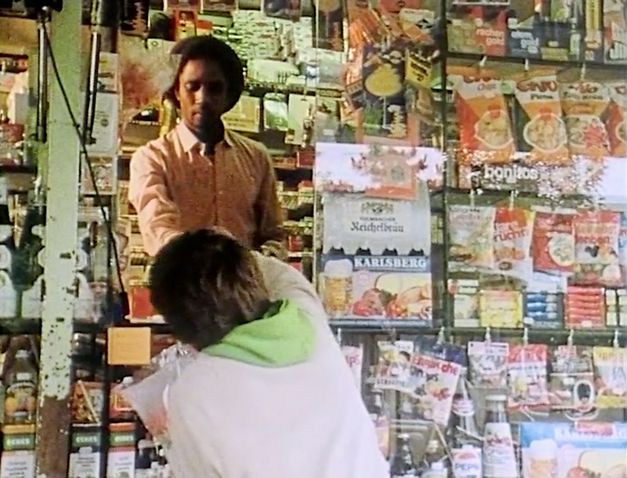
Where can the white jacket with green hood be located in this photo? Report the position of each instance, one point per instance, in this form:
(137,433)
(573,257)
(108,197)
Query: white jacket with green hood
(274,399)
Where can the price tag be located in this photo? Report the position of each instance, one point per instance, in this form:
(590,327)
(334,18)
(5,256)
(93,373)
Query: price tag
(129,345)
(4,192)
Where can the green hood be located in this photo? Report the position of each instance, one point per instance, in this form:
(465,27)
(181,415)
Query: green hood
(282,337)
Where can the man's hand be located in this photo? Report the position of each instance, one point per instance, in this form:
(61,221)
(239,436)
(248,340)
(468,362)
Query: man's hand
(274,248)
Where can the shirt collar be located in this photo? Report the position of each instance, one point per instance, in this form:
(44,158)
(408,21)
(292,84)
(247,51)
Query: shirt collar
(189,140)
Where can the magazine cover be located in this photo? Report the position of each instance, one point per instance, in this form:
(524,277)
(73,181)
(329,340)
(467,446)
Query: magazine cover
(431,386)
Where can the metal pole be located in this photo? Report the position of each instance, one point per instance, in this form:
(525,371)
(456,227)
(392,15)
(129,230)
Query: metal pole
(53,423)
(42,83)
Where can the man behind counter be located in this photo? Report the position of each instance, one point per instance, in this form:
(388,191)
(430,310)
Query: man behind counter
(201,175)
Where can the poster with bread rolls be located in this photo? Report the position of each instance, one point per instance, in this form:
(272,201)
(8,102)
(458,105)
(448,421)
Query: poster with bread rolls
(574,450)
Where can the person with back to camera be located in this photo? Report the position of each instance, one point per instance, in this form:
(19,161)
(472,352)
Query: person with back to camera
(200,174)
(270,394)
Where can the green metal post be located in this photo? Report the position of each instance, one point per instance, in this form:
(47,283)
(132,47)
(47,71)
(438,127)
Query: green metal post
(53,425)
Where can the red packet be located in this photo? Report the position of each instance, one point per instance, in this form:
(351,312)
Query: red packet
(140,305)
(527,376)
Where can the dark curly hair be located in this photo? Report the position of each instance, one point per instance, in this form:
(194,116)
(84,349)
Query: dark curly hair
(205,283)
(209,48)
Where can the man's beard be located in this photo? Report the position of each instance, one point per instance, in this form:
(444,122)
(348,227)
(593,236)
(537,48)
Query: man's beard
(210,130)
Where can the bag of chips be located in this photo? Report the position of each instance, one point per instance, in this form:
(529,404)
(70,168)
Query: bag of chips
(596,248)
(485,129)
(584,103)
(542,131)
(471,233)
(512,242)
(553,243)
(616,118)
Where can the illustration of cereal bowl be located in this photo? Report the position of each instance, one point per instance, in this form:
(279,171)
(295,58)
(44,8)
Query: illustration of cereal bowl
(546,132)
(585,131)
(493,129)
(621,131)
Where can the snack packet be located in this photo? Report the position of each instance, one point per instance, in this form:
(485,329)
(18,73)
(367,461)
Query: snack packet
(512,242)
(610,366)
(471,233)
(584,102)
(500,308)
(553,243)
(527,376)
(572,379)
(485,129)
(585,308)
(488,364)
(596,248)
(616,118)
(543,131)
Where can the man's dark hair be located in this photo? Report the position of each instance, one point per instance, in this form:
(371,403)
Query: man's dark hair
(205,284)
(209,48)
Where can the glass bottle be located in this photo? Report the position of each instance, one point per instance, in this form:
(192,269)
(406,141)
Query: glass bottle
(381,420)
(20,405)
(499,460)
(434,453)
(465,431)
(402,464)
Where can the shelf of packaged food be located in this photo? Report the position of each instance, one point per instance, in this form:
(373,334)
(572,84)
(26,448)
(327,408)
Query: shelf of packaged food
(14,326)
(501,194)
(80,327)
(17,169)
(552,335)
(287,167)
(535,61)
(259,89)
(157,327)
(300,255)
(382,325)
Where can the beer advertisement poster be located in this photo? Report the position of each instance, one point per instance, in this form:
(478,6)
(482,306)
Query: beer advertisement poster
(394,172)
(353,221)
(377,287)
